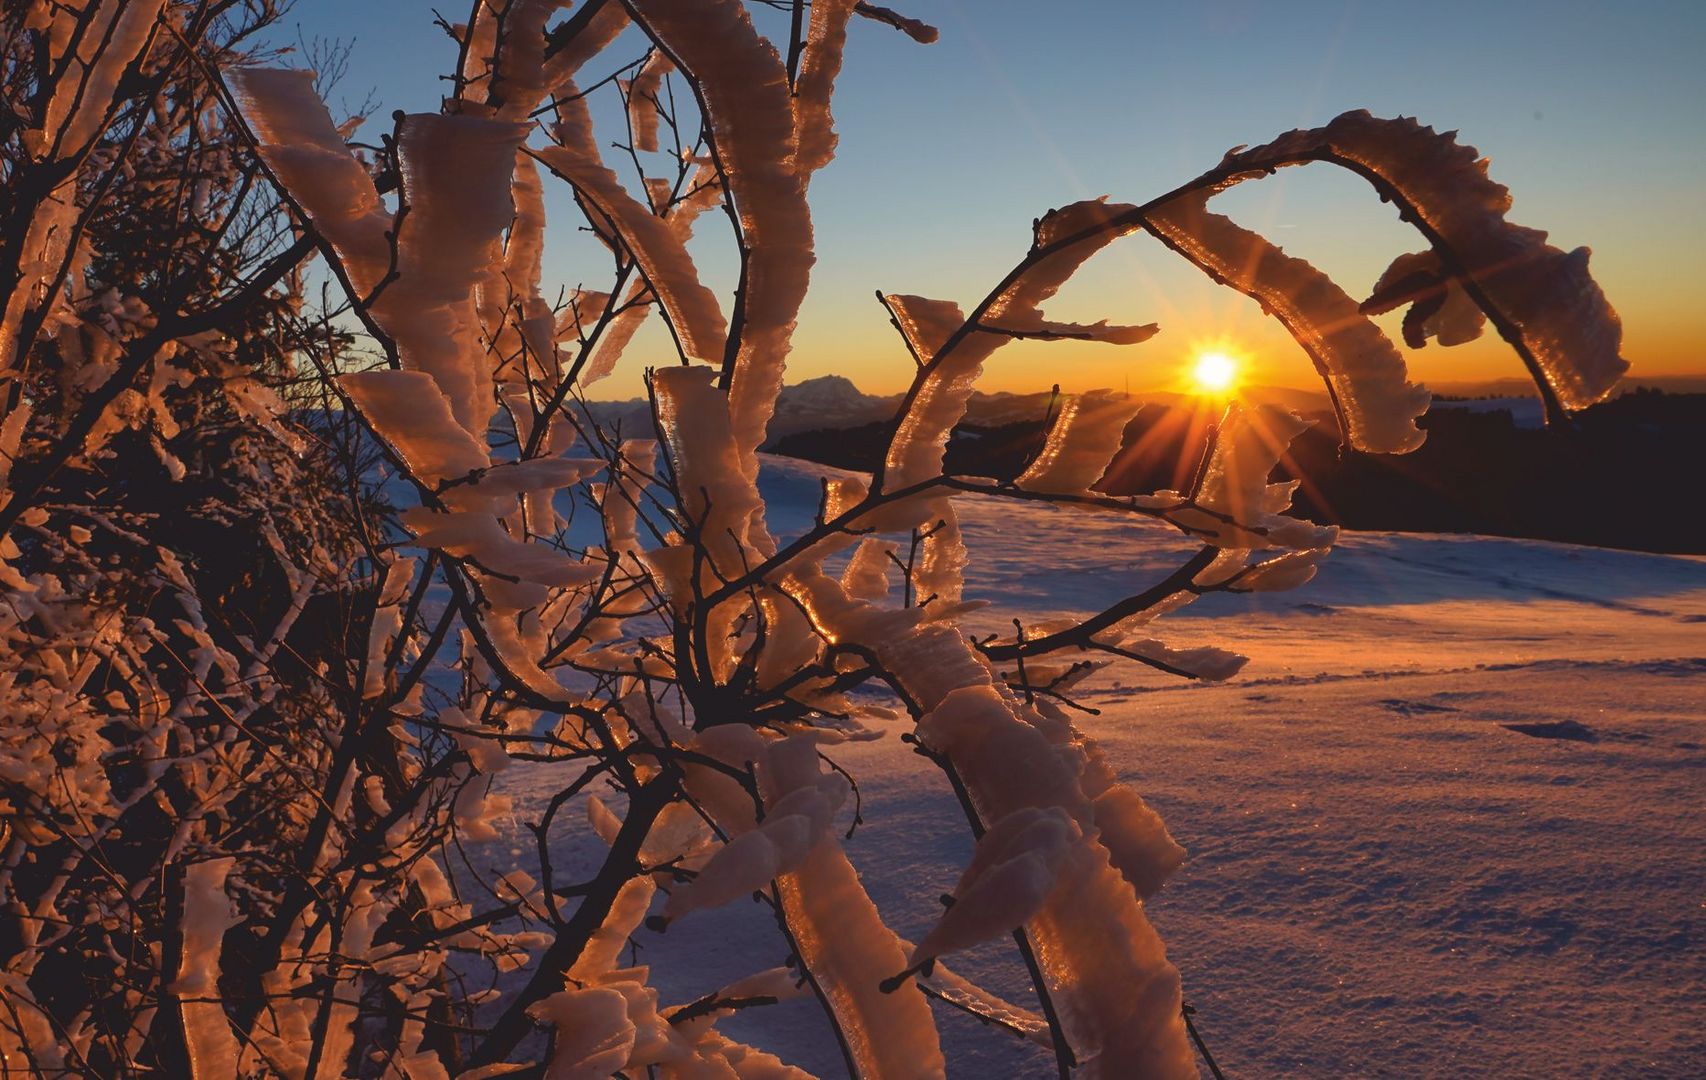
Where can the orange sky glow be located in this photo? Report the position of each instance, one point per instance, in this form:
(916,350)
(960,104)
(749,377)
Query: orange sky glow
(947,152)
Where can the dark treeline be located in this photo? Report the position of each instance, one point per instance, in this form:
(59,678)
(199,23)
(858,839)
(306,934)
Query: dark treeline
(1624,473)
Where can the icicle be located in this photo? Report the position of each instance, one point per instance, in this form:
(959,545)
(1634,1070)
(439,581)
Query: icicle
(1207,662)
(480,42)
(593,1036)
(593,37)
(387,622)
(604,949)
(960,991)
(693,417)
(1116,994)
(794,825)
(915,453)
(1011,874)
(520,80)
(1138,843)
(11,437)
(84,90)
(505,480)
(522,254)
(921,32)
(457,174)
(867,573)
(702,193)
(1288,571)
(939,576)
(1102,331)
(479,536)
(46,241)
(844,943)
(789,644)
(27,1031)
(624,494)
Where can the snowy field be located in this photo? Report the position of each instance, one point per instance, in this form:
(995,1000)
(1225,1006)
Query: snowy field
(1446,823)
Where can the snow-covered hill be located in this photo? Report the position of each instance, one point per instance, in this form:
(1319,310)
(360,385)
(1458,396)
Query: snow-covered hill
(1447,822)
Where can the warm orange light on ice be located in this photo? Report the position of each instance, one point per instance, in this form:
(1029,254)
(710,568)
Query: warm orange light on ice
(1215,373)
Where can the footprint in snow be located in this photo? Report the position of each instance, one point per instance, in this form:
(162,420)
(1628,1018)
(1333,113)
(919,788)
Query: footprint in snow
(1415,708)
(1569,730)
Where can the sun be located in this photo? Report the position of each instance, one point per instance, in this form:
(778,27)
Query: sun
(1215,373)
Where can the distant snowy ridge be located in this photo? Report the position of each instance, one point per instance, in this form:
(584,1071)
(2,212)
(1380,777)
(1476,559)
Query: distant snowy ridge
(834,403)
(827,402)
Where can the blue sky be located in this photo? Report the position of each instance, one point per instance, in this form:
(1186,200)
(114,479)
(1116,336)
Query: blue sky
(1592,114)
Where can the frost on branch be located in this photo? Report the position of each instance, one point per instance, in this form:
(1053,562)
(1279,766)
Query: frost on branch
(1552,307)
(409,411)
(206,917)
(303,148)
(952,351)
(1083,440)
(1235,507)
(1362,368)
(1012,872)
(1439,308)
(743,91)
(658,247)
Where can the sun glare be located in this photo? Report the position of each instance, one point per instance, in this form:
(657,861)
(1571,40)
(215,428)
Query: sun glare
(1214,373)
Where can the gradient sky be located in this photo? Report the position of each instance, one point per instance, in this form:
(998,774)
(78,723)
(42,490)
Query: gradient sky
(1594,115)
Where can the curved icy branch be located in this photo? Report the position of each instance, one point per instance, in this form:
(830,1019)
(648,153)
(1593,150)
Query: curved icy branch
(1541,299)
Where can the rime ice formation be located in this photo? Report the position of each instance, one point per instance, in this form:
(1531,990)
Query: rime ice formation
(1547,297)
(207,915)
(1364,371)
(1084,438)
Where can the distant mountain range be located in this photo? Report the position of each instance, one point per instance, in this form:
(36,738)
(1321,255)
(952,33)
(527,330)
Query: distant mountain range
(1616,475)
(834,403)
(829,402)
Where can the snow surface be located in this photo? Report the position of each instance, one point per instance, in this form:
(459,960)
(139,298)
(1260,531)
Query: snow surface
(1446,822)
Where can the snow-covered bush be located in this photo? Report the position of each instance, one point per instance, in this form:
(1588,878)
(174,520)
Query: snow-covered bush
(178,562)
(319,907)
